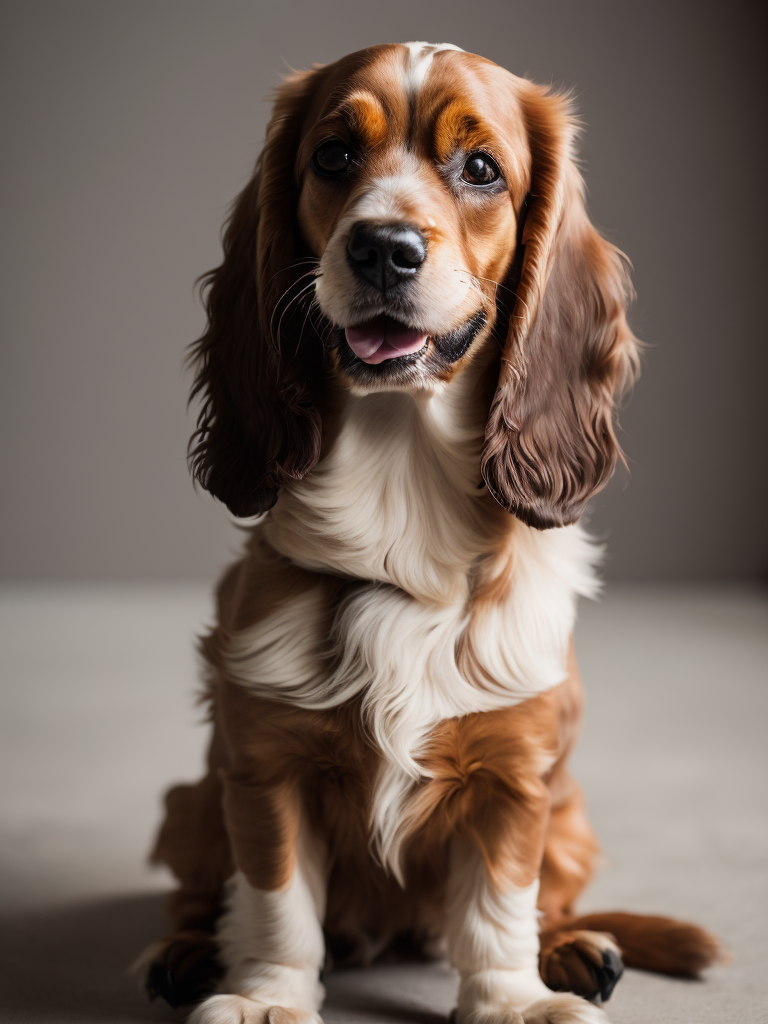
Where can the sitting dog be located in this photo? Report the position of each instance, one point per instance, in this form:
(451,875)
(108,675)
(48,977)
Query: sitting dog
(416,343)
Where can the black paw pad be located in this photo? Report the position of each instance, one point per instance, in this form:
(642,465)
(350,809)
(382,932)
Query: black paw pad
(580,965)
(607,976)
(185,973)
(160,983)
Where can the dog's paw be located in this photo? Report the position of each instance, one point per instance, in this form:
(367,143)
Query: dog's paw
(586,963)
(563,1008)
(182,968)
(228,1009)
(556,1008)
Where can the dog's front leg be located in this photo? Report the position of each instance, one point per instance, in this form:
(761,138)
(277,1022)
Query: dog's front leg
(494,943)
(270,935)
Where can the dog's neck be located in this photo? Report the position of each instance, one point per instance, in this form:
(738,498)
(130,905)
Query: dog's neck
(397,497)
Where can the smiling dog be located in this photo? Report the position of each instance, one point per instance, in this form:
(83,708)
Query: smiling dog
(415,346)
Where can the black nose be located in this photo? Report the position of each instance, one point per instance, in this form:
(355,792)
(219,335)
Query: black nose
(385,254)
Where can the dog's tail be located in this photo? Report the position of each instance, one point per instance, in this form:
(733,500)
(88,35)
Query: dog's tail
(659,944)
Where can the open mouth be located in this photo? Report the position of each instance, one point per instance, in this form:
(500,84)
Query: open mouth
(384,338)
(385,349)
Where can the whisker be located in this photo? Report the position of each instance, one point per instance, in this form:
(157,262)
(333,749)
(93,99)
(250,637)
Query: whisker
(310,304)
(473,278)
(301,332)
(293,284)
(295,298)
(321,328)
(497,285)
(293,266)
(481,293)
(476,287)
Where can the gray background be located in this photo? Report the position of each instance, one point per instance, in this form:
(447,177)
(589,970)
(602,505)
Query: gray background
(128,128)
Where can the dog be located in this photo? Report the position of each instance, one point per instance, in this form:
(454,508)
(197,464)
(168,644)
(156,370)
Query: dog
(415,350)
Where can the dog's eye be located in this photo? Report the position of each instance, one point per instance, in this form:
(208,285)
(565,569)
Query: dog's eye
(480,169)
(332,157)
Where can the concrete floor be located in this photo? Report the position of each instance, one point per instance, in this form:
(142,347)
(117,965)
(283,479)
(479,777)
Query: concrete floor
(97,718)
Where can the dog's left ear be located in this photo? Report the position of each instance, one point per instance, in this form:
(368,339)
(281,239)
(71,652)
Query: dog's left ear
(569,355)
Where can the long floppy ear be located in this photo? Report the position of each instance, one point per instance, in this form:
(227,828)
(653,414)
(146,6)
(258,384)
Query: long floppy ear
(569,355)
(258,426)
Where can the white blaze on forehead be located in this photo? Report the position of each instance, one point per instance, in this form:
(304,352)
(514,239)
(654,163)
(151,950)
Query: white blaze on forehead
(418,61)
(388,194)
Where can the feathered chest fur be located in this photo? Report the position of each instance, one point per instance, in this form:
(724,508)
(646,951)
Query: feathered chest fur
(451,606)
(397,499)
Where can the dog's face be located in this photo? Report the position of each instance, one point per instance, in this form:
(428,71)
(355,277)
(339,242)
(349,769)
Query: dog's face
(432,201)
(413,171)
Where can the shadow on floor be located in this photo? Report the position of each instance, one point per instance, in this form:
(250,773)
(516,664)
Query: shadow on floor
(70,966)
(390,994)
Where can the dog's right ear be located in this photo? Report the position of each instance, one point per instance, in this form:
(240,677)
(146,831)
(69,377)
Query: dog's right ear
(258,427)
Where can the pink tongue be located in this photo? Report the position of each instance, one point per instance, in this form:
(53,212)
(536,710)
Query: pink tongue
(383,338)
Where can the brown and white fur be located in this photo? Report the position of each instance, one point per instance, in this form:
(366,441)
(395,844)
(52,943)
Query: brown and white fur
(391,679)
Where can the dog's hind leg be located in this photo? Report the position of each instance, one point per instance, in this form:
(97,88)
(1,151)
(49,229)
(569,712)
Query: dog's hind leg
(183,967)
(587,954)
(572,959)
(649,942)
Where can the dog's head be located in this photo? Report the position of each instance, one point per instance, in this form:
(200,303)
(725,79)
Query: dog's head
(413,206)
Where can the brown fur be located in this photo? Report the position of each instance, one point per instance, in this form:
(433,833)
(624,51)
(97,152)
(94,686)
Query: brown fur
(475,766)
(271,401)
(194,843)
(258,426)
(659,944)
(550,441)
(484,779)
(569,354)
(568,960)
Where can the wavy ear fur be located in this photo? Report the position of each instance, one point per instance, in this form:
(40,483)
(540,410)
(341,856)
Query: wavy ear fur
(257,427)
(569,355)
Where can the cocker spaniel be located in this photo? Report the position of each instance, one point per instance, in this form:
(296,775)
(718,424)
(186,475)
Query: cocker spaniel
(416,343)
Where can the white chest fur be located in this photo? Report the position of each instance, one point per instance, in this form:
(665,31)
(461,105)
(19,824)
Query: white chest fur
(397,506)
(397,499)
